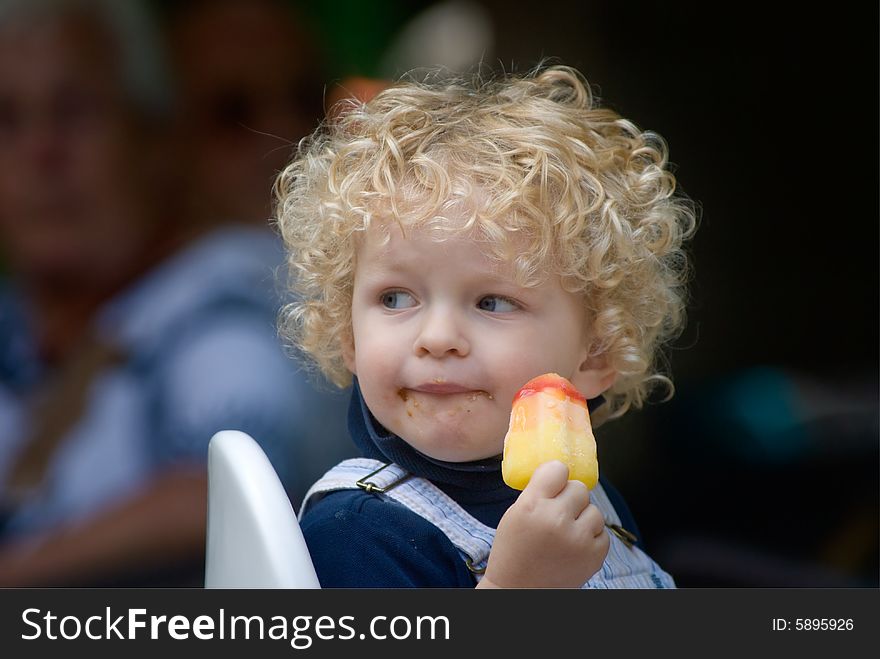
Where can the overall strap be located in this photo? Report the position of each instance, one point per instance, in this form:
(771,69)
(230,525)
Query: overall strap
(472,538)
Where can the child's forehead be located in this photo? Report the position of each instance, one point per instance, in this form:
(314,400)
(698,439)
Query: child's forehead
(388,247)
(514,240)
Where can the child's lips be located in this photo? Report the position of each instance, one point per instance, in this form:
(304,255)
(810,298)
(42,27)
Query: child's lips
(449,389)
(442,388)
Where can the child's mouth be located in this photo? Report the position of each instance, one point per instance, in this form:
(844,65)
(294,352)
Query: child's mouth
(438,401)
(444,389)
(438,391)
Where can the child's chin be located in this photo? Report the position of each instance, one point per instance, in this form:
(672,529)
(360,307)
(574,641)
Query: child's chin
(450,443)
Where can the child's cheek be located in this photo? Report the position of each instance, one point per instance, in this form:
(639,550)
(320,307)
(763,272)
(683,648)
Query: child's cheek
(377,363)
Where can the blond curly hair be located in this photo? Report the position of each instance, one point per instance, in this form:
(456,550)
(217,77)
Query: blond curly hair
(557,184)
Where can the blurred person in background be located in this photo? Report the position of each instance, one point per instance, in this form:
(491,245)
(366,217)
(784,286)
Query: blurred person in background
(130,332)
(249,88)
(249,85)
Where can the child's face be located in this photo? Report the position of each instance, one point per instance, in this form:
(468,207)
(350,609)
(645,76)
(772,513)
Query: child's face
(444,337)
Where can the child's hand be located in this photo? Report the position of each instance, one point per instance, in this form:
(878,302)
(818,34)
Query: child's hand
(552,537)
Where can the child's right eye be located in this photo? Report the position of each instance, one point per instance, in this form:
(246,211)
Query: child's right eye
(397,300)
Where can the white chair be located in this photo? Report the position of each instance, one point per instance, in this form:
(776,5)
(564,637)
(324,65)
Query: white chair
(253,537)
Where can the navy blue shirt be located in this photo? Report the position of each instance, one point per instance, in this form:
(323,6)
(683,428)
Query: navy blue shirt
(365,540)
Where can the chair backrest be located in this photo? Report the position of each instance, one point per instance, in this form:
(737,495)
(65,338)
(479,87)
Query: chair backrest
(253,537)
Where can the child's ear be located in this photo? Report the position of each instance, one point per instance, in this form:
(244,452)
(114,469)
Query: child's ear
(348,354)
(594,376)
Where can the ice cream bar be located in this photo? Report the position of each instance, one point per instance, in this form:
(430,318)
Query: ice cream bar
(549,421)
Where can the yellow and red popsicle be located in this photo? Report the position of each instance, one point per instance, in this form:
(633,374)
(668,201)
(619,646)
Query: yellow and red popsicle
(549,421)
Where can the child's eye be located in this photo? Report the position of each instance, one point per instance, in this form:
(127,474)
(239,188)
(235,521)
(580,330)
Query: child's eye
(397,300)
(497,304)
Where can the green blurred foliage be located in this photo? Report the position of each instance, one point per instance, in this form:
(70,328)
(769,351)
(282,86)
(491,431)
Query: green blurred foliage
(355,34)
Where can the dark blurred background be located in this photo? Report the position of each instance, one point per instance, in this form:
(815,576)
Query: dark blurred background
(763,469)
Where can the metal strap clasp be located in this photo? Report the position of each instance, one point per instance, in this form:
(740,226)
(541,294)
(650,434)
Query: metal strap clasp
(365,484)
(473,568)
(627,537)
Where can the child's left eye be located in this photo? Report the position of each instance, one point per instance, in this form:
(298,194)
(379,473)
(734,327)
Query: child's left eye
(497,304)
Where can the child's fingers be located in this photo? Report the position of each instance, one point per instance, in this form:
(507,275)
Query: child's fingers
(592,521)
(575,497)
(548,480)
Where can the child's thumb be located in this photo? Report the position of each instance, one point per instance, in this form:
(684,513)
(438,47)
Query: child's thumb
(548,480)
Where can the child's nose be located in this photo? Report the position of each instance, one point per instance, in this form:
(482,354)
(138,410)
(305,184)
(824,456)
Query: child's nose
(441,334)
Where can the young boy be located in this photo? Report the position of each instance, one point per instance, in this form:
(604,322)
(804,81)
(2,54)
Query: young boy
(448,242)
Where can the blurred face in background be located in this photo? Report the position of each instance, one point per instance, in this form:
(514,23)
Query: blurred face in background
(73,190)
(248,92)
